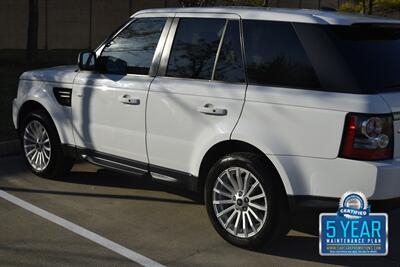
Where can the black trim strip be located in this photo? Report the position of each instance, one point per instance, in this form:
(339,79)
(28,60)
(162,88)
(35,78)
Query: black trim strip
(115,165)
(105,160)
(312,202)
(181,178)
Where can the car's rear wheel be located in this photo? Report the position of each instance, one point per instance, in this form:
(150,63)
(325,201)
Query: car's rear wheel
(42,147)
(245,202)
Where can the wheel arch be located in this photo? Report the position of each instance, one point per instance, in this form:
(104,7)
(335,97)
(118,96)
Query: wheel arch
(59,162)
(41,99)
(28,107)
(223,148)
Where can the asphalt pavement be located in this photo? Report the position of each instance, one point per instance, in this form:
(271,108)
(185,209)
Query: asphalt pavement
(158,222)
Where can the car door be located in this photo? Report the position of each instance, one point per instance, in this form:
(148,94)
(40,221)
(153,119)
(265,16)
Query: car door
(197,97)
(109,104)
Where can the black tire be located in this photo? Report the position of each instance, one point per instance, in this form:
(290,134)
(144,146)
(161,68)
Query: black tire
(59,164)
(277,219)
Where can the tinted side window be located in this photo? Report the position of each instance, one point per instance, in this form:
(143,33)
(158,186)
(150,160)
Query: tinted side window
(230,66)
(133,49)
(194,49)
(276,57)
(372,52)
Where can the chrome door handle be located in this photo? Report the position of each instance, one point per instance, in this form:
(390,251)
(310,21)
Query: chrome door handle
(209,109)
(127,99)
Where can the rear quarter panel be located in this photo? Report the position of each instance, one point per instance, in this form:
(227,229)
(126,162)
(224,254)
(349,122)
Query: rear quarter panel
(284,123)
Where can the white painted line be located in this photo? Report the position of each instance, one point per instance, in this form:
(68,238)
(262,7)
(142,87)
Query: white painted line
(123,251)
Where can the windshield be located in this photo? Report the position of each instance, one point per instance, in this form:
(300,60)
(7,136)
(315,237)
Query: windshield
(373,53)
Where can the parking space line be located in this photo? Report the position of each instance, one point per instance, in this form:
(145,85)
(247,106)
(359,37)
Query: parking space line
(123,251)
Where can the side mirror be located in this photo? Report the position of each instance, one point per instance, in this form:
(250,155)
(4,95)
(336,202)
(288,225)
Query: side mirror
(87,60)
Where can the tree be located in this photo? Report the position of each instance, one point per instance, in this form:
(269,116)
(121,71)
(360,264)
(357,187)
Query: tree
(389,8)
(33,25)
(370,6)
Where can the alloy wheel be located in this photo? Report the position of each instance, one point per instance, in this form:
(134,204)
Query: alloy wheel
(37,145)
(239,202)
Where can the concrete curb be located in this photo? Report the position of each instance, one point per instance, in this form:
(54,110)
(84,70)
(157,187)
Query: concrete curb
(9,148)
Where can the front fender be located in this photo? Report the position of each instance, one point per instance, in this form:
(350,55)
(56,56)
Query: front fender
(42,93)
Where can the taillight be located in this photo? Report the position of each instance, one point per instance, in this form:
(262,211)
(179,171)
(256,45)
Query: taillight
(368,137)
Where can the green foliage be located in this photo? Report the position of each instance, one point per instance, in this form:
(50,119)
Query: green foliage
(390,8)
(381,7)
(351,7)
(387,5)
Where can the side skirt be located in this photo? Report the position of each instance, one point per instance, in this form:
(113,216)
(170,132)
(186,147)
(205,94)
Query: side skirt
(181,179)
(159,174)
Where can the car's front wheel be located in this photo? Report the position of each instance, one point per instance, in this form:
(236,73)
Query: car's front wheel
(41,146)
(244,201)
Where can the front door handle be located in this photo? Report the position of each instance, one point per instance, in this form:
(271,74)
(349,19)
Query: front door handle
(127,99)
(209,109)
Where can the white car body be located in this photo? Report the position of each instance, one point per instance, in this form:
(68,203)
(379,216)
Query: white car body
(299,131)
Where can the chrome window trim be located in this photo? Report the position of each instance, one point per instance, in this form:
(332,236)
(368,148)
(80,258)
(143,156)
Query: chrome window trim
(162,70)
(155,64)
(221,41)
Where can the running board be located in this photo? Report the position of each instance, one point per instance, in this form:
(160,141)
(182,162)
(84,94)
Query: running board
(138,168)
(177,178)
(106,163)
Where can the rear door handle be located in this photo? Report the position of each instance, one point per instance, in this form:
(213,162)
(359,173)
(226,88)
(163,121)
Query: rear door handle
(209,109)
(127,99)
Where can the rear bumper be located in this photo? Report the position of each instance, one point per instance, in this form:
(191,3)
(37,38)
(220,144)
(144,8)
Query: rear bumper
(331,178)
(324,204)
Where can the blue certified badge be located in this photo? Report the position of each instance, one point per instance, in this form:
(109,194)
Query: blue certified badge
(353,230)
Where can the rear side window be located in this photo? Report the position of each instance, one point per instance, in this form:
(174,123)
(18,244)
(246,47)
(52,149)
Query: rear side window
(372,52)
(276,57)
(230,67)
(195,47)
(133,49)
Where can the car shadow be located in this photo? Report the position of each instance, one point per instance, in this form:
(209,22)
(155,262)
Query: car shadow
(108,178)
(307,247)
(294,246)
(14,167)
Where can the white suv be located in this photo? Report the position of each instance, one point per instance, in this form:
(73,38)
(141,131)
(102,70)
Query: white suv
(263,110)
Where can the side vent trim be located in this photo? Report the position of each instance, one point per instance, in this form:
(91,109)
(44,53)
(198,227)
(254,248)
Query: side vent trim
(63,95)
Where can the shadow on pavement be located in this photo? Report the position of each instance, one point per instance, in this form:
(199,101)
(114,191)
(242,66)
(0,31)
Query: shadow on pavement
(292,246)
(65,193)
(307,247)
(104,177)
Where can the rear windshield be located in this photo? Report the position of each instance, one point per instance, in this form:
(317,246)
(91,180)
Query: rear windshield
(372,52)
